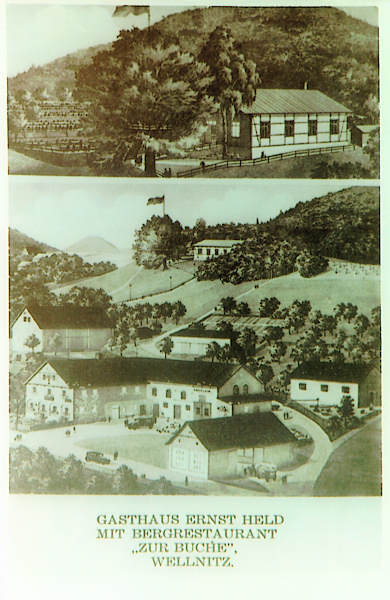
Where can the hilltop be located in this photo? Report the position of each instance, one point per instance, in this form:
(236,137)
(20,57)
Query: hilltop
(92,245)
(289,45)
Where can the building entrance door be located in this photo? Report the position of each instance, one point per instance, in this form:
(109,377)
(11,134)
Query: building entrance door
(176,411)
(202,410)
(156,410)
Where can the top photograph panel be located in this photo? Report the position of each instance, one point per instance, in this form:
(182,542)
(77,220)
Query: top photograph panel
(218,92)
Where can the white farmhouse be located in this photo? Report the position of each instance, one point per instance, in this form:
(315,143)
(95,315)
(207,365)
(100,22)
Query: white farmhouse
(326,383)
(213,248)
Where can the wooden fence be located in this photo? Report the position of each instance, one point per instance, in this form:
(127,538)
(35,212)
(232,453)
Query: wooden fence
(243,162)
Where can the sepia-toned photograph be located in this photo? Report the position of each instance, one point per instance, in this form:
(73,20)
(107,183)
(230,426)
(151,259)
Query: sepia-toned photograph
(181,340)
(205,92)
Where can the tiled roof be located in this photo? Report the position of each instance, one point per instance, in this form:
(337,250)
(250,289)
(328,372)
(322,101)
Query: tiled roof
(70,317)
(241,431)
(278,101)
(218,243)
(132,371)
(328,371)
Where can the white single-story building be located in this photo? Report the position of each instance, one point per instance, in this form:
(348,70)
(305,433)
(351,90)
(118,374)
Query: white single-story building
(223,448)
(194,342)
(213,248)
(281,120)
(117,388)
(326,383)
(66,328)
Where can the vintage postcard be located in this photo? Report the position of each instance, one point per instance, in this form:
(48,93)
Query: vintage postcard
(195,368)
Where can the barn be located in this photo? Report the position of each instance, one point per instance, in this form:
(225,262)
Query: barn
(281,120)
(223,448)
(66,328)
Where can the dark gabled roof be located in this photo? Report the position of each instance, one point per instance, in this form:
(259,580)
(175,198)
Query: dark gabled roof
(241,431)
(127,371)
(328,371)
(248,398)
(70,316)
(202,333)
(292,101)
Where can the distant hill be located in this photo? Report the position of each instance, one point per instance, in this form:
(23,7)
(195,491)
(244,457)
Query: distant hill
(19,243)
(92,245)
(343,225)
(323,46)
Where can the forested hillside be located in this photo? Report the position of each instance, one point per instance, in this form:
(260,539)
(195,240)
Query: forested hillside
(322,46)
(342,225)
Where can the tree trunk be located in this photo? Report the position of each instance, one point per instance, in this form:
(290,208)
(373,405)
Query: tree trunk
(225,133)
(150,163)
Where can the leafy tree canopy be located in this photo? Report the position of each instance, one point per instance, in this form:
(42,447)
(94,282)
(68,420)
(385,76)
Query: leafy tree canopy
(160,239)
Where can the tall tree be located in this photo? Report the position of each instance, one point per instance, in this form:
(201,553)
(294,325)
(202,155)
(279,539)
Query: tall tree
(146,95)
(160,239)
(32,342)
(166,346)
(234,77)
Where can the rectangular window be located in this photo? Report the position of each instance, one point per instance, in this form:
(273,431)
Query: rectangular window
(312,127)
(64,393)
(43,376)
(197,410)
(324,387)
(200,250)
(165,404)
(142,410)
(206,412)
(345,389)
(216,252)
(34,390)
(265,129)
(302,386)
(188,407)
(236,129)
(289,128)
(208,251)
(334,126)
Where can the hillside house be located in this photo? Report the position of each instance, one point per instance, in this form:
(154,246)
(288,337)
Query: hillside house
(78,328)
(125,387)
(285,120)
(213,248)
(194,343)
(326,383)
(223,448)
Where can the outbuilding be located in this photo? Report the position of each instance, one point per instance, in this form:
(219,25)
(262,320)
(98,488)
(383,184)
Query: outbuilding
(194,342)
(282,120)
(223,448)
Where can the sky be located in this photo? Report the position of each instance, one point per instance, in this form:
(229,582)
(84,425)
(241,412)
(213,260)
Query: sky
(40,33)
(61,211)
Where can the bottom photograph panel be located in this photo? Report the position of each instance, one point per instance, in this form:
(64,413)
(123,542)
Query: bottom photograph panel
(167,339)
